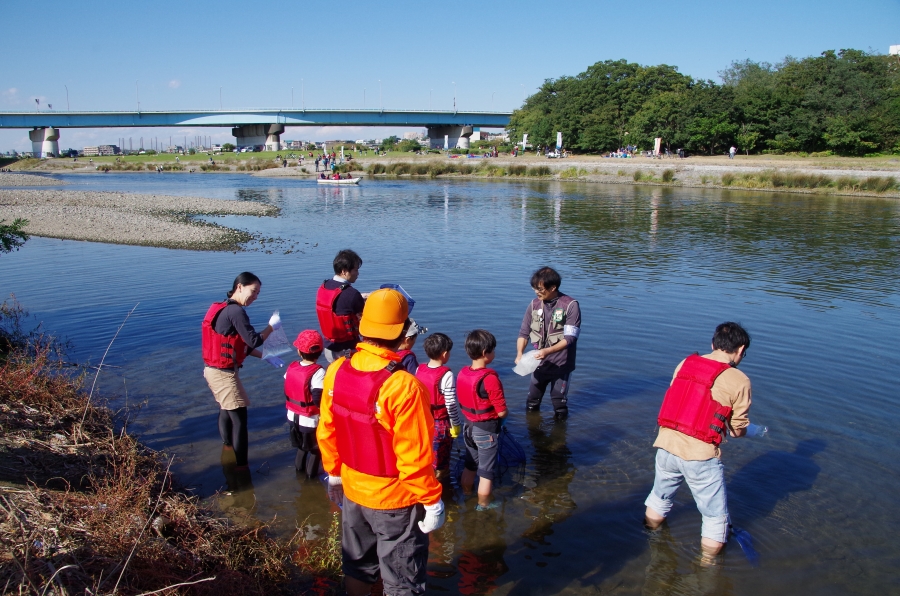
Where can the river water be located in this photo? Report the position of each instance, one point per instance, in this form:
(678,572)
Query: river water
(815,280)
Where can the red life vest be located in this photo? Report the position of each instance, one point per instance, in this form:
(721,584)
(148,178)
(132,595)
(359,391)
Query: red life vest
(221,351)
(689,406)
(431,378)
(297,389)
(471,395)
(362,443)
(336,328)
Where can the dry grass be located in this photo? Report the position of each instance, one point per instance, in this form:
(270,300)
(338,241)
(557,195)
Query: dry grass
(86,509)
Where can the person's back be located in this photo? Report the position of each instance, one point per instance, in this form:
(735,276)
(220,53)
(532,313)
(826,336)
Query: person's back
(375,436)
(707,400)
(438,380)
(482,401)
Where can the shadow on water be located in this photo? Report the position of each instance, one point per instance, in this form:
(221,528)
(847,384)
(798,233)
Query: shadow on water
(755,489)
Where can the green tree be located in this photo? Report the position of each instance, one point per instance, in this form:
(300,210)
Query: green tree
(389,143)
(228,147)
(409,145)
(13,235)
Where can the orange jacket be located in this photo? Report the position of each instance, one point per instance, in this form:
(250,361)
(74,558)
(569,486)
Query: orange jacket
(402,408)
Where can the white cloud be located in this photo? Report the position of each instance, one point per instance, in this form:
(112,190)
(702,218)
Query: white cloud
(11,95)
(174,84)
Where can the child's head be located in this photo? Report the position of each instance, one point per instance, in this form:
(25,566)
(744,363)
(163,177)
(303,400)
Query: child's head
(436,345)
(412,334)
(479,343)
(309,345)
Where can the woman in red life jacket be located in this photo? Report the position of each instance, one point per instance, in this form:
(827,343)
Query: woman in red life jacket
(303,395)
(227,339)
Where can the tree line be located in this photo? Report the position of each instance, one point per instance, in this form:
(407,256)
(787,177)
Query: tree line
(845,103)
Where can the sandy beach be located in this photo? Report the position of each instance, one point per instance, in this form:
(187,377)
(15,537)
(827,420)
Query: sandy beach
(117,218)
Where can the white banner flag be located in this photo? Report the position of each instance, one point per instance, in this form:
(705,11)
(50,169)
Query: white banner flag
(558,141)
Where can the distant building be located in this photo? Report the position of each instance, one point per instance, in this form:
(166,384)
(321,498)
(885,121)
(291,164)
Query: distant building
(101,150)
(894,51)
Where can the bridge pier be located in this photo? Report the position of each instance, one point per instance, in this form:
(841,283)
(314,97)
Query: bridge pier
(254,135)
(458,136)
(44,142)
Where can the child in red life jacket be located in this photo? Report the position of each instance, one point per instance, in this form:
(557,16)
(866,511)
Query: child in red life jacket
(303,394)
(481,399)
(408,358)
(438,378)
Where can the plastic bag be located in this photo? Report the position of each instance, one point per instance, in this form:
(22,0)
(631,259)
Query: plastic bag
(400,289)
(527,364)
(276,344)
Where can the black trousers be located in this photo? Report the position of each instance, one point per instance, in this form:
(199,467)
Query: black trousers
(558,380)
(233,430)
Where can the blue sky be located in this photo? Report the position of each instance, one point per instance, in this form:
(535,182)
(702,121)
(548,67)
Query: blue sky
(335,53)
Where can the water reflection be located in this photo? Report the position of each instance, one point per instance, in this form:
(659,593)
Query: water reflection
(666,575)
(815,279)
(548,482)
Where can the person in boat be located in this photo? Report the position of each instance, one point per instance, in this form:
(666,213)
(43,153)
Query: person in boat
(707,400)
(552,324)
(375,434)
(227,339)
(339,306)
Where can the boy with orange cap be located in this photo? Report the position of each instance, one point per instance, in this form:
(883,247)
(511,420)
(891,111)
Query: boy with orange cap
(375,435)
(303,394)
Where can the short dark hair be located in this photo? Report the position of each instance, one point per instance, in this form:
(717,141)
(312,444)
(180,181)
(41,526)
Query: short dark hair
(547,277)
(480,342)
(729,337)
(436,344)
(310,355)
(346,260)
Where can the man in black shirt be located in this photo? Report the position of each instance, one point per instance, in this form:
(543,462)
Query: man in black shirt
(339,306)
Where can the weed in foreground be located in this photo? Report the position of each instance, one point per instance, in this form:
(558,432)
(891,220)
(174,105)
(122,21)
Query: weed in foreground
(668,175)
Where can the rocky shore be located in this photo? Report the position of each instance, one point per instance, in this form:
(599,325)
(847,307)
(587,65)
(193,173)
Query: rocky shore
(118,218)
(17,179)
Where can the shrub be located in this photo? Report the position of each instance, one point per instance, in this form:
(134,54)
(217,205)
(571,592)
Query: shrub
(638,175)
(668,175)
(537,171)
(878,183)
(516,170)
(727,179)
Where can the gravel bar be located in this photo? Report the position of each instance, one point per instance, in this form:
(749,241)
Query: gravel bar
(118,218)
(16,179)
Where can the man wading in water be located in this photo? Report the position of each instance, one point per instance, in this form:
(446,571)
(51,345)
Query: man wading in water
(551,324)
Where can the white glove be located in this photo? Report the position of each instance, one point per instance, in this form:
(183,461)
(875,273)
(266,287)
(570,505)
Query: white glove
(275,361)
(434,517)
(336,490)
(275,320)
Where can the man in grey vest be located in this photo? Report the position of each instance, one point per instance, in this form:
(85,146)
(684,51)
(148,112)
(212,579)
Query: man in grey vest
(551,325)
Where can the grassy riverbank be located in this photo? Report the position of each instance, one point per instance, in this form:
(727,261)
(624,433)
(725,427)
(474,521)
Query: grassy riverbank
(85,508)
(863,176)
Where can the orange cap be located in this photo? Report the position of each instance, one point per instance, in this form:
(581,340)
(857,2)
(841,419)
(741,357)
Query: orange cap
(384,314)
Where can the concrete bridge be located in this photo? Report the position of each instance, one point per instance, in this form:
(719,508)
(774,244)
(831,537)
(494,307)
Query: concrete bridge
(253,127)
